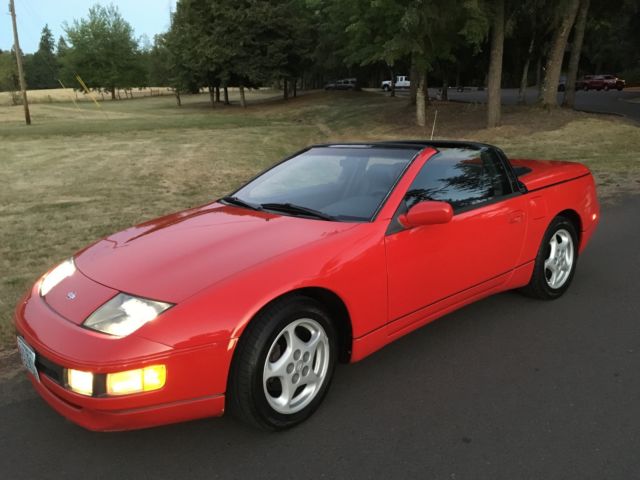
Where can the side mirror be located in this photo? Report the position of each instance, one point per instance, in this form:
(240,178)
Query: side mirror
(427,213)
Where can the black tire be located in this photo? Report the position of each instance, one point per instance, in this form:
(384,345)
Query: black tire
(606,88)
(386,88)
(538,286)
(246,396)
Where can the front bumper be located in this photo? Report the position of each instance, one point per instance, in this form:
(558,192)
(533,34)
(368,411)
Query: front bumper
(128,419)
(195,385)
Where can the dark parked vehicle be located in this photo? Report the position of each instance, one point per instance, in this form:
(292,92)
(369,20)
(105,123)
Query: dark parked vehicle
(343,84)
(600,82)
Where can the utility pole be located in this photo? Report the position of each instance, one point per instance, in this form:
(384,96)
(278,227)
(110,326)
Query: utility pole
(16,47)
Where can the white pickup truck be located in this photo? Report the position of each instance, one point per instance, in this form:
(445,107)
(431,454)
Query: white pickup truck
(402,81)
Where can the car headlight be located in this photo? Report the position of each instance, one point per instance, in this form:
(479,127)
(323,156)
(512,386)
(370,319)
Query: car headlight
(55,276)
(124,314)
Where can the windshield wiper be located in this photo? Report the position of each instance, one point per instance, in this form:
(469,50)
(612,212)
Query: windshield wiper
(240,203)
(297,209)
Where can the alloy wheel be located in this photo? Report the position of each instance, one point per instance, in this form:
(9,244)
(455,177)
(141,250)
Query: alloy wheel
(558,265)
(296,366)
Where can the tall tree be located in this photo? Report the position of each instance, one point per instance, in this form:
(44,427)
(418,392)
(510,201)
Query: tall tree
(8,72)
(241,42)
(611,40)
(531,23)
(61,46)
(574,59)
(42,67)
(423,30)
(164,71)
(494,99)
(292,34)
(103,50)
(567,10)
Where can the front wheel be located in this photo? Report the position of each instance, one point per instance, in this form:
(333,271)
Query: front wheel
(283,364)
(555,263)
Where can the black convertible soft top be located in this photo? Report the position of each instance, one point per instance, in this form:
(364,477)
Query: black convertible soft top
(412,144)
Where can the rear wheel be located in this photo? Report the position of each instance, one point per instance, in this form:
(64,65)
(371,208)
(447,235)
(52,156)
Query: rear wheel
(555,263)
(283,364)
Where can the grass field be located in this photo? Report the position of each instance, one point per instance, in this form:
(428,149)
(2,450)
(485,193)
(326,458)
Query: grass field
(56,95)
(81,172)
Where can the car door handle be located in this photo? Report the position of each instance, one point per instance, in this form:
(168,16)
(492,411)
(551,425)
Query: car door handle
(516,217)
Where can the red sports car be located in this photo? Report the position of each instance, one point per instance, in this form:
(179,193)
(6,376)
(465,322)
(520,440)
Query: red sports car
(247,303)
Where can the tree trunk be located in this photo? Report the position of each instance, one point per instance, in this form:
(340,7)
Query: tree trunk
(243,101)
(217,93)
(295,88)
(413,86)
(285,88)
(549,95)
(574,59)
(494,97)
(226,95)
(539,75)
(178,99)
(113,93)
(393,82)
(212,96)
(422,97)
(524,81)
(444,96)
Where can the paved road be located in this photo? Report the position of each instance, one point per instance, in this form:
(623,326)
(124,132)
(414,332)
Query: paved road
(508,388)
(613,101)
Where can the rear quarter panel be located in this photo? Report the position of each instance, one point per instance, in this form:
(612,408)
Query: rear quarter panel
(554,188)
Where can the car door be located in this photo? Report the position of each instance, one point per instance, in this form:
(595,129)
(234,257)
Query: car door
(477,249)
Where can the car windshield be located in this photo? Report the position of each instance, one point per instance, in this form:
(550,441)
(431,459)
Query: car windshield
(342,183)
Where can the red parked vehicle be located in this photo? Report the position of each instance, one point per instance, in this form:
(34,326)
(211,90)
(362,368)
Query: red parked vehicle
(600,82)
(247,303)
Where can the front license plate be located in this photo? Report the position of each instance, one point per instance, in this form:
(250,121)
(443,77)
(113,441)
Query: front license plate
(28,357)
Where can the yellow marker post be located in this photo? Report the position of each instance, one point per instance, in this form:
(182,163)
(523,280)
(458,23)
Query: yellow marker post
(72,98)
(88,92)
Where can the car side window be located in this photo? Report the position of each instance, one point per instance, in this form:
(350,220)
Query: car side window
(462,177)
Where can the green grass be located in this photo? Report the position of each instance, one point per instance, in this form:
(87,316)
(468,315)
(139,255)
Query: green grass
(80,173)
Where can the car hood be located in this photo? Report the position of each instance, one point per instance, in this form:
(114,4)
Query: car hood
(175,256)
